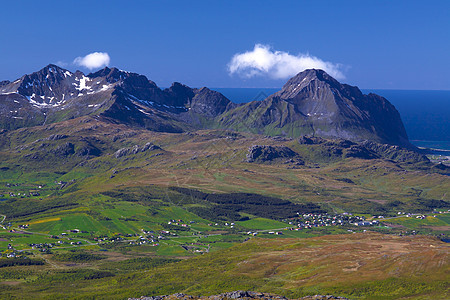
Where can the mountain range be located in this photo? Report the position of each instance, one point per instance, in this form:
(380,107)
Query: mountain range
(311,103)
(117,188)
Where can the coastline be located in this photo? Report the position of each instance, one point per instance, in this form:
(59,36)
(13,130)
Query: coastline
(435,155)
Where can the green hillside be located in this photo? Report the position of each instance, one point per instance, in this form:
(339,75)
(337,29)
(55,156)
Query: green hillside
(120,212)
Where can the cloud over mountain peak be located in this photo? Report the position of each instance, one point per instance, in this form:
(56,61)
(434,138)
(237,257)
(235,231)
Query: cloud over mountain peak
(93,60)
(263,61)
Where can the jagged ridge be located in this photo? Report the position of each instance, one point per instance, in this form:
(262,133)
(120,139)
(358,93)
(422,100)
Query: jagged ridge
(312,102)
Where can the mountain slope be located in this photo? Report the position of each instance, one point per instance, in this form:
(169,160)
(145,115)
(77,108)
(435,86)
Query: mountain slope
(314,103)
(55,94)
(310,103)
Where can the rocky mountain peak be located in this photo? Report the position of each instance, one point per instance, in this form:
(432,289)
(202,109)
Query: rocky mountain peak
(209,102)
(52,68)
(311,79)
(312,74)
(46,86)
(49,76)
(111,75)
(312,102)
(179,88)
(178,95)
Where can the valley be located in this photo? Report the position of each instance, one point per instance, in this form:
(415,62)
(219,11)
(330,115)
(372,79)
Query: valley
(139,207)
(131,198)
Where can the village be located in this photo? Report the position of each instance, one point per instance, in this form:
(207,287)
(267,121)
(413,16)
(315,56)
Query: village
(175,229)
(15,190)
(307,221)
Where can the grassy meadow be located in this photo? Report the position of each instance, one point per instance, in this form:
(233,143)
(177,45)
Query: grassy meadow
(176,219)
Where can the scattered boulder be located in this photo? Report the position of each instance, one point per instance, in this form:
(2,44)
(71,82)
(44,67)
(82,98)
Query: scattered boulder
(244,295)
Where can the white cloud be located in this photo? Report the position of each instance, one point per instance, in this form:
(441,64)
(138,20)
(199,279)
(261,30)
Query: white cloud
(262,61)
(93,60)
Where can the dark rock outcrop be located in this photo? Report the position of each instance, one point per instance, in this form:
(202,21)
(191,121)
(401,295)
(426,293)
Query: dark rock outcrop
(364,150)
(358,151)
(135,150)
(64,149)
(88,150)
(394,153)
(55,137)
(263,153)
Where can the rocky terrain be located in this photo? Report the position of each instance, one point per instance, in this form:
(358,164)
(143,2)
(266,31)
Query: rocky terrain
(111,187)
(263,153)
(244,295)
(310,103)
(314,103)
(364,150)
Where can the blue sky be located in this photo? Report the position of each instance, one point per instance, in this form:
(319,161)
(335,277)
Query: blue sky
(371,44)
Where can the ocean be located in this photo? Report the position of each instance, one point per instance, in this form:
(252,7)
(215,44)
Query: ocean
(425,114)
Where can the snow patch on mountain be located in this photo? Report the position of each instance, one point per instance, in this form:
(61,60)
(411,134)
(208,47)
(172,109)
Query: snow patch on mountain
(82,85)
(106,87)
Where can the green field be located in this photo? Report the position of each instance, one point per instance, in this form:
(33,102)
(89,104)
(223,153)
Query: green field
(345,265)
(160,224)
(262,224)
